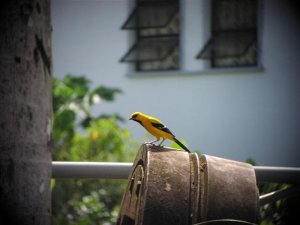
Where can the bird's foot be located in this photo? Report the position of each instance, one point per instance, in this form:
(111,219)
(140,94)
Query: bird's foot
(160,144)
(155,146)
(151,142)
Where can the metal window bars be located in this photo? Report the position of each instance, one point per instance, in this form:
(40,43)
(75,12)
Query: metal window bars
(156,27)
(233,41)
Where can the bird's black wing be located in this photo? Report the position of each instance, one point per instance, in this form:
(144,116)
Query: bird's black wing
(162,127)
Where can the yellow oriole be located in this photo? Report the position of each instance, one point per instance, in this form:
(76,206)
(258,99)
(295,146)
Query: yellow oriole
(156,128)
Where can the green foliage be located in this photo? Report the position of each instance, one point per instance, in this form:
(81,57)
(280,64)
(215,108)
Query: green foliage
(106,93)
(80,201)
(175,145)
(281,212)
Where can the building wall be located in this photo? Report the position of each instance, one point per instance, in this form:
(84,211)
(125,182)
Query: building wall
(228,113)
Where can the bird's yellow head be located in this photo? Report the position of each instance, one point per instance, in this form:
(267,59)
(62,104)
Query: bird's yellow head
(136,116)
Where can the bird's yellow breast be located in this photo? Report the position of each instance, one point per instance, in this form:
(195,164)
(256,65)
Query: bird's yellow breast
(147,122)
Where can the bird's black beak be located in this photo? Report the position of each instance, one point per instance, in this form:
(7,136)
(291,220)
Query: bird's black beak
(133,119)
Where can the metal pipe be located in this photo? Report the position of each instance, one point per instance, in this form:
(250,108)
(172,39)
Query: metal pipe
(104,170)
(277,174)
(114,170)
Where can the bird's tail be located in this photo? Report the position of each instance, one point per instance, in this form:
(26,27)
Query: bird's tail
(181,145)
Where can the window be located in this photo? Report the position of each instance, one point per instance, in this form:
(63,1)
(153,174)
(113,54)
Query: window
(233,41)
(156,27)
(225,31)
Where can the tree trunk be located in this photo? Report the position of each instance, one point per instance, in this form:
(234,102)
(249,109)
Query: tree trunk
(25,112)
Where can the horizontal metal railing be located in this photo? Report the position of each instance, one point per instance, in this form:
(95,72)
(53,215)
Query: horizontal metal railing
(277,174)
(96,170)
(113,170)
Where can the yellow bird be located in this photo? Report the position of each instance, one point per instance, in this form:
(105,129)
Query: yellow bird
(156,128)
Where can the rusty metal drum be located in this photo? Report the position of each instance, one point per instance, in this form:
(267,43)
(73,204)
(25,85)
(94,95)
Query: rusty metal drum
(171,187)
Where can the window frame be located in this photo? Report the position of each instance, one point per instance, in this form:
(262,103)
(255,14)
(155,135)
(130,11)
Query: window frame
(170,49)
(208,51)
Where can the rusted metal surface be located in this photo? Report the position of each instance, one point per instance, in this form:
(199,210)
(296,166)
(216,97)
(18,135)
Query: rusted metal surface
(228,190)
(194,188)
(161,194)
(167,187)
(166,197)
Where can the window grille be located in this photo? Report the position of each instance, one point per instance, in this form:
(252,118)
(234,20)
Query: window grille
(156,27)
(233,40)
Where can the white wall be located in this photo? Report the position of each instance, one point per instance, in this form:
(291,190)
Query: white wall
(228,114)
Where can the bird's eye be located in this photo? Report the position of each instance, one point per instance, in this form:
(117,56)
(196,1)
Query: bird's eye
(134,116)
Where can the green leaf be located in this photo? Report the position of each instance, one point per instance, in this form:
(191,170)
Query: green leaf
(85,123)
(106,93)
(52,183)
(174,145)
(79,85)
(64,120)
(250,161)
(115,116)
(61,94)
